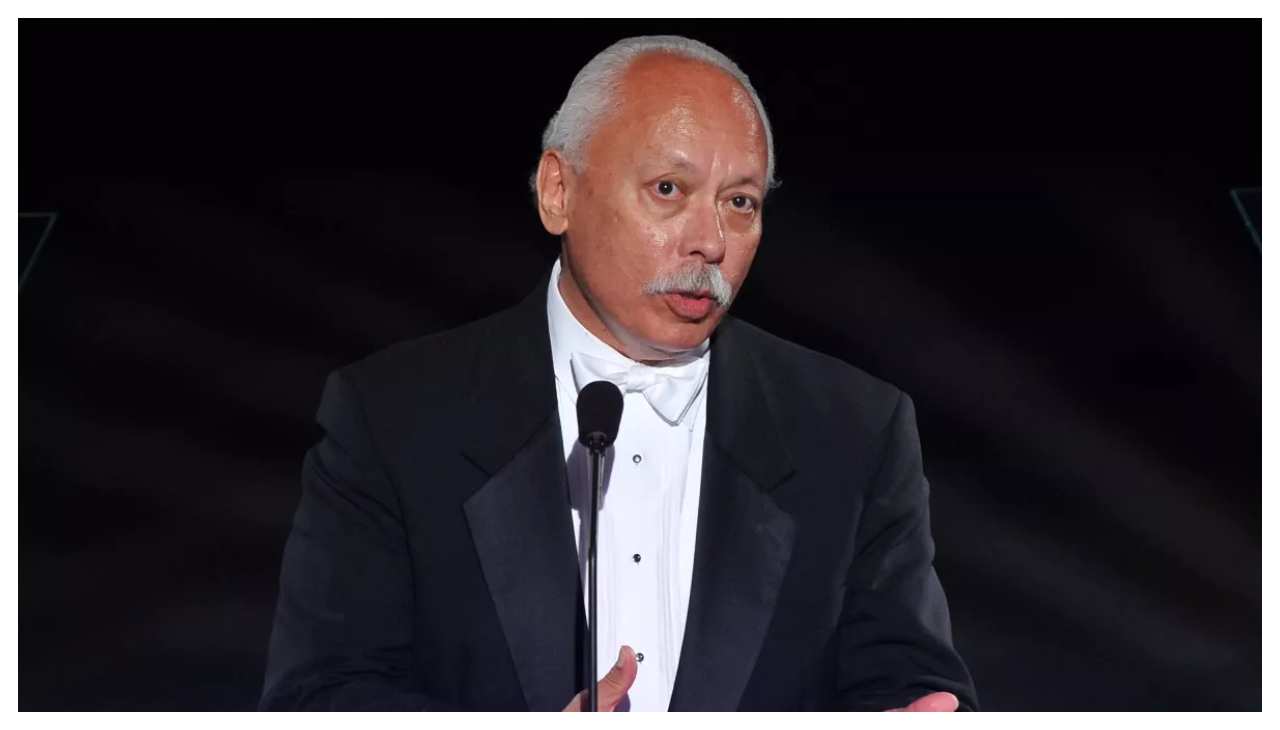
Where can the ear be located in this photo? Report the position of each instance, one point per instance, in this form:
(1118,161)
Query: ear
(555,176)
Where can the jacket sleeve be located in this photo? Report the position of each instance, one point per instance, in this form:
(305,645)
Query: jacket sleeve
(343,628)
(895,629)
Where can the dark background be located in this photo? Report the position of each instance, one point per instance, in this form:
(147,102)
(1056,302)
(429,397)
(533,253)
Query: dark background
(1027,227)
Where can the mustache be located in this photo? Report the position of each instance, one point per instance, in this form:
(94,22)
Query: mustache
(693,278)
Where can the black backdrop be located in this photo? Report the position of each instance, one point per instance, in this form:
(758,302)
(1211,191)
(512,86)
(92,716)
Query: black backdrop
(1027,227)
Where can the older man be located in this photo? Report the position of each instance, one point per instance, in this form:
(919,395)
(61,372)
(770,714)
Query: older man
(764,537)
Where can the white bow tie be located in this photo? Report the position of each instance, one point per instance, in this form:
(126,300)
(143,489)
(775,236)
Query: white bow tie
(670,389)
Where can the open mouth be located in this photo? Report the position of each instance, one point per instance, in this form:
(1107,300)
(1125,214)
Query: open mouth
(690,305)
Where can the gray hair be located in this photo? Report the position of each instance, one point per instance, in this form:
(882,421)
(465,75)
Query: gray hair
(593,93)
(693,277)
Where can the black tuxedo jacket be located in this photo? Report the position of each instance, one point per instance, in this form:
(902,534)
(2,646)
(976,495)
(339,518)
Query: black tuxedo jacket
(432,565)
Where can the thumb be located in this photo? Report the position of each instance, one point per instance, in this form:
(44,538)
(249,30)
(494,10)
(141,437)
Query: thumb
(613,688)
(618,681)
(936,702)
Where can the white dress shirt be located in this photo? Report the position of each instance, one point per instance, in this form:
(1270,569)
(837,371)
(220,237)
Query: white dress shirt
(648,514)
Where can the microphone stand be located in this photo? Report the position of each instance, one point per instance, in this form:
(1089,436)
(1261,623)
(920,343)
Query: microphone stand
(597,449)
(599,415)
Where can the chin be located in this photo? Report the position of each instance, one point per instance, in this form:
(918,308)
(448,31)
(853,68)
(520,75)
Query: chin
(662,332)
(685,335)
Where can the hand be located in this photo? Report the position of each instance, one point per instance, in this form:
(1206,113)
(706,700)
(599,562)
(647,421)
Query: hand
(936,702)
(613,688)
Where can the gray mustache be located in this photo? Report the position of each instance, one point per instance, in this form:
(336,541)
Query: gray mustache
(693,278)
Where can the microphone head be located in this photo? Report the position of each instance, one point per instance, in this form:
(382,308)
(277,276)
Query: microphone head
(599,413)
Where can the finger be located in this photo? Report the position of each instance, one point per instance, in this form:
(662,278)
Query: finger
(936,702)
(618,681)
(613,688)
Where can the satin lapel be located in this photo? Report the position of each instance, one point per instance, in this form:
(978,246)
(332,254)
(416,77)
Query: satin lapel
(744,539)
(524,538)
(520,518)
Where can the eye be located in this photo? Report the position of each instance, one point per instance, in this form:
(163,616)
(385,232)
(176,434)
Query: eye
(666,189)
(742,203)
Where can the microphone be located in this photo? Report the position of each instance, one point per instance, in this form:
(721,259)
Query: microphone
(599,414)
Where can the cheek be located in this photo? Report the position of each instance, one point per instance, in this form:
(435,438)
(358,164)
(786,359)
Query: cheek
(632,232)
(657,237)
(629,252)
(742,250)
(643,241)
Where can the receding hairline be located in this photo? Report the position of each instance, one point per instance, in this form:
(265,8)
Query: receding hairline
(595,94)
(626,77)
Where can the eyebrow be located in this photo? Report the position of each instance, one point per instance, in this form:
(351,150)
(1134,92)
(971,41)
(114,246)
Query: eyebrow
(687,166)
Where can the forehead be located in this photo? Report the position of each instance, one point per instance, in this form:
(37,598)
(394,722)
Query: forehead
(675,109)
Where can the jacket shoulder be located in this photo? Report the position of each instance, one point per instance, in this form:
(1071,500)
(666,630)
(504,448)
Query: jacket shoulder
(441,359)
(806,379)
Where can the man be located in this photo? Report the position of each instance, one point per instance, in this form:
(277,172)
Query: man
(764,536)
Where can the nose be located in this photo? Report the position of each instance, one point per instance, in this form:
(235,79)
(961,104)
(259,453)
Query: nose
(704,233)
